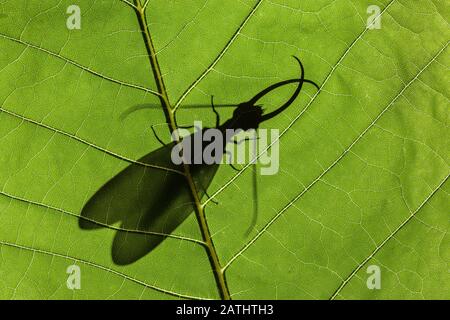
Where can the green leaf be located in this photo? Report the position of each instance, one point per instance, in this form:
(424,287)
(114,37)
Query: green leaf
(364,161)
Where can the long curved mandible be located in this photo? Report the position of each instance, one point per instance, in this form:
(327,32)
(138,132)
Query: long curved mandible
(280,84)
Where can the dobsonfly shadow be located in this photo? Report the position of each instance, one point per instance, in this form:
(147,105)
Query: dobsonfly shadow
(150,203)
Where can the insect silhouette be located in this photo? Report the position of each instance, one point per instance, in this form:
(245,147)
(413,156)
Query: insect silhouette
(150,202)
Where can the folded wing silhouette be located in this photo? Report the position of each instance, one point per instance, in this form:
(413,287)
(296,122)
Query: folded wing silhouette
(144,199)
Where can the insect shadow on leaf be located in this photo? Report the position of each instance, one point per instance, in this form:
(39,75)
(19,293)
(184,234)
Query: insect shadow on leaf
(150,203)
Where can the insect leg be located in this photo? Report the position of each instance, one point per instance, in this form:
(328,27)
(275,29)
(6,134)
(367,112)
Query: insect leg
(243,140)
(215,111)
(231,165)
(207,195)
(228,153)
(156,136)
(209,198)
(255,201)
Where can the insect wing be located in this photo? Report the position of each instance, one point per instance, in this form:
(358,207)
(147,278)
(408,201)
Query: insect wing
(146,201)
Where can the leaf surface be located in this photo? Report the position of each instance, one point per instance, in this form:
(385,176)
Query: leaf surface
(363,165)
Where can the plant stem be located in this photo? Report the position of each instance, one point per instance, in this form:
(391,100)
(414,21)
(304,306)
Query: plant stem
(218,271)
